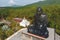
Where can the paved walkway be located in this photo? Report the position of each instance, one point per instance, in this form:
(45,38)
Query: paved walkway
(19,36)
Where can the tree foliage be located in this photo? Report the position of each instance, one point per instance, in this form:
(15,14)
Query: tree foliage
(52,11)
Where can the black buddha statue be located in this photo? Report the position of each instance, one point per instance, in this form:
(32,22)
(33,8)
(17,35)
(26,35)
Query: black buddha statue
(39,26)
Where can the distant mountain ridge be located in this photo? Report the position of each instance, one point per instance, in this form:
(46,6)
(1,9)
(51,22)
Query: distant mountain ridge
(40,3)
(49,2)
(46,2)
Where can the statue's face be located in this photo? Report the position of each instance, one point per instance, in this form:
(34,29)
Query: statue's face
(39,10)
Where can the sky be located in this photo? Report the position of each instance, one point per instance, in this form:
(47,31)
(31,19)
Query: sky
(16,2)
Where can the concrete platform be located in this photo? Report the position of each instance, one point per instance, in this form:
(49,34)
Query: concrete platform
(20,36)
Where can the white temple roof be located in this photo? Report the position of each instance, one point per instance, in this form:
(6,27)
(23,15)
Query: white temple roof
(24,22)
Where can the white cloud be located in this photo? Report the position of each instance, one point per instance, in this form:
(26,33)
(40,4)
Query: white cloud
(11,2)
(42,0)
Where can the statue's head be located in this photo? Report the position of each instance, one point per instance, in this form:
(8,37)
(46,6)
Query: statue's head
(39,10)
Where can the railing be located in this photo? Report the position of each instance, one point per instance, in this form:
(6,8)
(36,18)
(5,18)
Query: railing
(32,36)
(57,37)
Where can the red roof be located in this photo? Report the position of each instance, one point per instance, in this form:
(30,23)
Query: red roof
(18,19)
